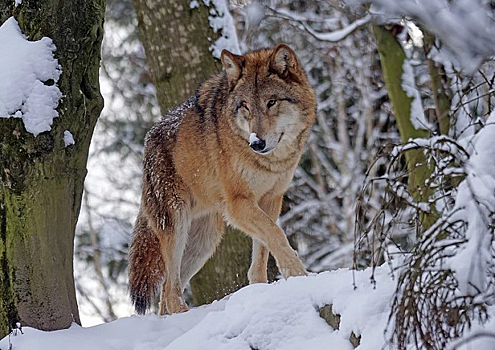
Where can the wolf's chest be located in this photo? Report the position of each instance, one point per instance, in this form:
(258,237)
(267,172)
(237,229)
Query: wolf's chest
(260,182)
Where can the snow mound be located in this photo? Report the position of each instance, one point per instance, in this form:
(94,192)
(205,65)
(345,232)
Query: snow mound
(28,77)
(283,315)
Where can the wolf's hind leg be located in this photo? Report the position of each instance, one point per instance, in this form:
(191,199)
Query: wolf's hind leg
(173,244)
(204,236)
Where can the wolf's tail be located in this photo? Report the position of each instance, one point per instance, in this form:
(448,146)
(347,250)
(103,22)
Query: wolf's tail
(146,266)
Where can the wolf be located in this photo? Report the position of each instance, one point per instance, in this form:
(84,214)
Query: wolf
(227,154)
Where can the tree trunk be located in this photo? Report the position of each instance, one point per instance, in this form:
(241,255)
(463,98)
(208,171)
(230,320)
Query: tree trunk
(392,58)
(41,179)
(177,43)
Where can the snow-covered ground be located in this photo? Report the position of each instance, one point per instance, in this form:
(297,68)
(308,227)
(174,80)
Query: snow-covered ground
(283,315)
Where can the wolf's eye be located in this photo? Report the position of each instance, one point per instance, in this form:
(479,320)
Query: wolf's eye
(271,103)
(244,104)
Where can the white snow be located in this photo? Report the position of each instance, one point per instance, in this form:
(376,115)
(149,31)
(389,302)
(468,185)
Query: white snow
(193,4)
(283,315)
(221,20)
(253,138)
(18,2)
(340,34)
(475,203)
(68,138)
(418,118)
(465,26)
(26,68)
(279,316)
(255,12)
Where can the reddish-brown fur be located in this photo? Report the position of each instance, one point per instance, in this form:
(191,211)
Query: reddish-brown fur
(199,168)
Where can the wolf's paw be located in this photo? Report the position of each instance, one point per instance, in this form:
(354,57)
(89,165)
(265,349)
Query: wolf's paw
(182,308)
(255,275)
(296,269)
(176,306)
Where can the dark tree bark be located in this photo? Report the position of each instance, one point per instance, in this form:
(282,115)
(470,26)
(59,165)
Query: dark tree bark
(41,180)
(177,39)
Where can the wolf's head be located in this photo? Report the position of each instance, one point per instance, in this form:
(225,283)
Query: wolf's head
(270,101)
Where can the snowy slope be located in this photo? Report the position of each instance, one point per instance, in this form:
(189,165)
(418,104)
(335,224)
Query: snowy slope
(282,316)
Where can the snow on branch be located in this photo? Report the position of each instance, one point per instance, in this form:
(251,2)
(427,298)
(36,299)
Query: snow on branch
(340,34)
(465,26)
(418,118)
(334,36)
(28,79)
(475,205)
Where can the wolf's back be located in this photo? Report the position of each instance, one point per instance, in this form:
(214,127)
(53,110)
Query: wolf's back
(146,266)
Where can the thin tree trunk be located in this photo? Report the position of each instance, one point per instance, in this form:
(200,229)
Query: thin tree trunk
(226,271)
(177,43)
(392,58)
(42,180)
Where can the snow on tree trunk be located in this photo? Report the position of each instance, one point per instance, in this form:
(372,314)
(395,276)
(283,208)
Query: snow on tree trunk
(41,178)
(177,37)
(439,87)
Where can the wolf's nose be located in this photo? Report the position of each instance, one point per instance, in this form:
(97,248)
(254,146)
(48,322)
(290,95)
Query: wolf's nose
(258,145)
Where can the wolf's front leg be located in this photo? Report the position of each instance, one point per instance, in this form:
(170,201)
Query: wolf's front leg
(259,260)
(245,214)
(271,204)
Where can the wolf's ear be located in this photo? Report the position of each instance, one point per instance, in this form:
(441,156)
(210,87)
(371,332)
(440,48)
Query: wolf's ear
(233,65)
(283,60)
